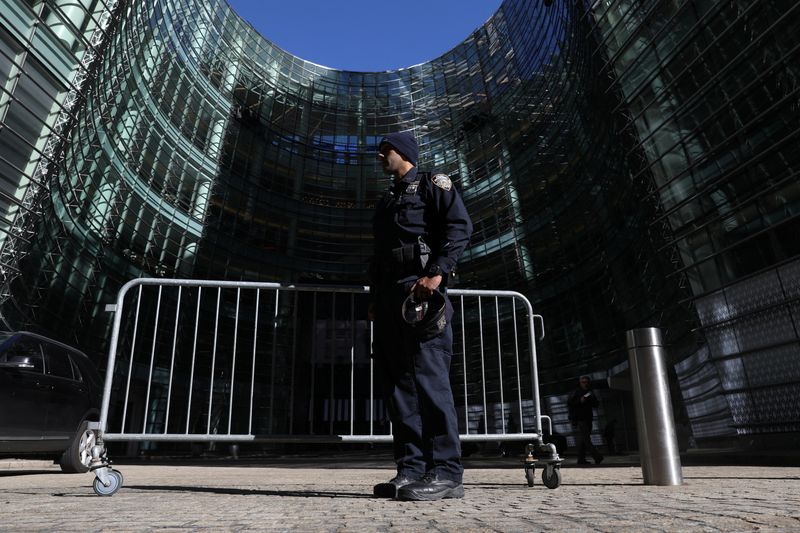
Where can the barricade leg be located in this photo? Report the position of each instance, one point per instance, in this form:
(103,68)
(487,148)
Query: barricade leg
(107,481)
(546,455)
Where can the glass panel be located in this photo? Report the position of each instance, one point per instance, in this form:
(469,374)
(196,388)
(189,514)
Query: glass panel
(23,351)
(57,361)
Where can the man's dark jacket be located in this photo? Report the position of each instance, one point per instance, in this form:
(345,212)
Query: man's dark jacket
(582,411)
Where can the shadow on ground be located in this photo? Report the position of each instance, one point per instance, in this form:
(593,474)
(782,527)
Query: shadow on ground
(251,492)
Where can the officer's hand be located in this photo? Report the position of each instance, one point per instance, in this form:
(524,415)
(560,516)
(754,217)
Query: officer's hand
(425,286)
(371,313)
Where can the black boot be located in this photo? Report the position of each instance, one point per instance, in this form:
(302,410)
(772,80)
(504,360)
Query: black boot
(430,487)
(389,489)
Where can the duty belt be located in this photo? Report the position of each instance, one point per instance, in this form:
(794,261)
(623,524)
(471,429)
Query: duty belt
(406,260)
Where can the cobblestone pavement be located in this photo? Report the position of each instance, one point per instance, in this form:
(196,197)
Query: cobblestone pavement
(308,498)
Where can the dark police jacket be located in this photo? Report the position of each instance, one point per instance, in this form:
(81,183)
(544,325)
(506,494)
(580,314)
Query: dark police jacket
(581,411)
(421,210)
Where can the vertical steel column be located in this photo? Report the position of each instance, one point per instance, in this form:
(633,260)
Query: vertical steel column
(464,362)
(274,365)
(253,365)
(658,446)
(332,399)
(294,364)
(371,379)
(352,359)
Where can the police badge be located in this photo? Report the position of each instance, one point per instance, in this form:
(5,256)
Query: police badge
(442,181)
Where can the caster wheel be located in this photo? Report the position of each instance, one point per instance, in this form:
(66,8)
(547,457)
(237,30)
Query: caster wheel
(529,472)
(116,483)
(553,480)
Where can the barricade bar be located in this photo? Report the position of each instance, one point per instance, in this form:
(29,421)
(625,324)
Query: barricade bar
(299,439)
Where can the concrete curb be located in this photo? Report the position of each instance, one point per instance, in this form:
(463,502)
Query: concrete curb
(28,464)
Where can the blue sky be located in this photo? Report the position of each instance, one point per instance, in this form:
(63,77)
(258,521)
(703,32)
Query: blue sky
(366,35)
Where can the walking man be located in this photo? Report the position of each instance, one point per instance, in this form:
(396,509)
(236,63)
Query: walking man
(421,227)
(581,404)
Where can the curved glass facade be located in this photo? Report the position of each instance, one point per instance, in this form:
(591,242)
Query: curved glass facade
(625,164)
(711,89)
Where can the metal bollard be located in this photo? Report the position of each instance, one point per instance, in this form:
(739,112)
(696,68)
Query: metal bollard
(658,445)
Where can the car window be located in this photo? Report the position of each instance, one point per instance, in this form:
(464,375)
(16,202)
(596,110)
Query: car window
(25,351)
(57,361)
(76,371)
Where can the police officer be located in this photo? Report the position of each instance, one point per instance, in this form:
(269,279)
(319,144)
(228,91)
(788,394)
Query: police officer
(421,228)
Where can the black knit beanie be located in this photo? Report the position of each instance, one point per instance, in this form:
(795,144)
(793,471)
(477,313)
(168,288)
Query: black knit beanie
(405,143)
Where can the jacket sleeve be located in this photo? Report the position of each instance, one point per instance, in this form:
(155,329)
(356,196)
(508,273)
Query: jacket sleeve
(574,399)
(593,401)
(454,223)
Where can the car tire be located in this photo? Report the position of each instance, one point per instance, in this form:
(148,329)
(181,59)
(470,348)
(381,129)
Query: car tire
(75,459)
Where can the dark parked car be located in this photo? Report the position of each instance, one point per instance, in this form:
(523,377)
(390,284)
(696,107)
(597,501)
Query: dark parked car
(48,393)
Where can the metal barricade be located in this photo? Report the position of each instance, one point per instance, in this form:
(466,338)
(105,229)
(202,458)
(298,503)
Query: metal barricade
(225,361)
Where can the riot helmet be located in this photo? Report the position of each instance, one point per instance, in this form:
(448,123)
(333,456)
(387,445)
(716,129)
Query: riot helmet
(427,317)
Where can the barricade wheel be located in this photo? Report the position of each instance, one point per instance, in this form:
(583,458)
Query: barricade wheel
(553,480)
(529,472)
(116,483)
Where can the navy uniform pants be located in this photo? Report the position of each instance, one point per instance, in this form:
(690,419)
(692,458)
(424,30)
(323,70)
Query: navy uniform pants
(415,376)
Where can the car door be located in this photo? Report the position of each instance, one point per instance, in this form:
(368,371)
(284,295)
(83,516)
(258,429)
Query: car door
(23,393)
(68,398)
